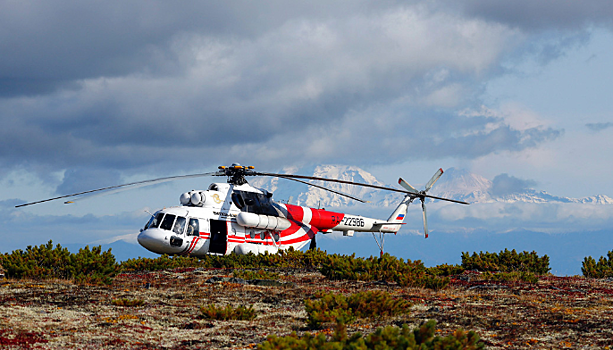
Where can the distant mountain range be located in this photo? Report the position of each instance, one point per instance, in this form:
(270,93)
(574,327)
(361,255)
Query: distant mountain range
(456,184)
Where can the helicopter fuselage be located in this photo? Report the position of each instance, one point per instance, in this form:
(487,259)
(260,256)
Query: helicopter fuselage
(242,219)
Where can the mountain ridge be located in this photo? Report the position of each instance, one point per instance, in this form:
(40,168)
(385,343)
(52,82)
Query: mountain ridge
(458,184)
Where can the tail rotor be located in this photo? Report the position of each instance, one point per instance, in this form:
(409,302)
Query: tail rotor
(422,195)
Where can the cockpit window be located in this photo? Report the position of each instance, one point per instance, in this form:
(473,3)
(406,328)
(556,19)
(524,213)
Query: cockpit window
(149,222)
(238,200)
(167,222)
(213,187)
(155,221)
(254,202)
(179,225)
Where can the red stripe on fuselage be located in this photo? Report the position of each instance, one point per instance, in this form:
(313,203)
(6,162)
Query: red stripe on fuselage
(325,220)
(295,212)
(320,218)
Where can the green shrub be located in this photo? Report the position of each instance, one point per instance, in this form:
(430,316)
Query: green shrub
(163,262)
(94,266)
(446,270)
(228,313)
(311,259)
(46,262)
(390,337)
(506,261)
(601,269)
(385,268)
(333,307)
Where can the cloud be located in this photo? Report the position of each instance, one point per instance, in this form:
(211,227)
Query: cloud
(598,126)
(504,184)
(84,179)
(502,217)
(205,94)
(25,228)
(540,15)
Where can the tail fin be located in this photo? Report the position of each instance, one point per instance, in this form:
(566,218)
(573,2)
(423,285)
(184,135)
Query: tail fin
(399,213)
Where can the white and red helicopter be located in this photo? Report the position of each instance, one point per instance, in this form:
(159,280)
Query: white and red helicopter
(235,217)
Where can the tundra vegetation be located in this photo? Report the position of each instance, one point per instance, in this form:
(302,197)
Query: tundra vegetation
(601,269)
(321,301)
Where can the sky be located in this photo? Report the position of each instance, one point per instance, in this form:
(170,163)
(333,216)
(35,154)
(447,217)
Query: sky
(99,93)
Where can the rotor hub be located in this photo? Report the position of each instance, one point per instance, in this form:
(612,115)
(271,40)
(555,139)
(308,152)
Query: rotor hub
(236,173)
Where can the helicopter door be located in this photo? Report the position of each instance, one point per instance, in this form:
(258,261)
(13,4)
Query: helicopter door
(219,237)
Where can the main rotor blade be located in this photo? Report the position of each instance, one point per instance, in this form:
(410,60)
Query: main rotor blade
(324,188)
(406,185)
(423,209)
(119,188)
(330,180)
(434,178)
(355,184)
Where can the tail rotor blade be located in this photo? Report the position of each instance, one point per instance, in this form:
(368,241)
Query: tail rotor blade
(407,186)
(423,208)
(434,178)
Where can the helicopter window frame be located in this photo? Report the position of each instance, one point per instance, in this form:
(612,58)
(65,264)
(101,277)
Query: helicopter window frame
(193,228)
(179,225)
(155,221)
(168,222)
(257,203)
(149,222)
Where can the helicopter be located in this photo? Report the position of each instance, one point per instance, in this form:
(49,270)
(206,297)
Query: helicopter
(237,218)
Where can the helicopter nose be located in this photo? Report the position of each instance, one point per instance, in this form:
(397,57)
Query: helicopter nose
(154,240)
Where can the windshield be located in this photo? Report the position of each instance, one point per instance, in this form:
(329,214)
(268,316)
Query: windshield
(166,224)
(154,222)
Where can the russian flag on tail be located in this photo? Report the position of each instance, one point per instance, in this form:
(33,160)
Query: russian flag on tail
(400,217)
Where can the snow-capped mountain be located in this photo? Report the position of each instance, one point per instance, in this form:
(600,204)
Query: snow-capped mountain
(456,184)
(302,194)
(462,185)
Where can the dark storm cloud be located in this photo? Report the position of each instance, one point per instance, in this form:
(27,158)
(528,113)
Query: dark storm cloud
(84,179)
(504,184)
(541,15)
(48,45)
(598,126)
(153,87)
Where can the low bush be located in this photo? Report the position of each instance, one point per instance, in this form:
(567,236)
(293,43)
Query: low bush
(228,313)
(332,307)
(46,262)
(385,268)
(601,269)
(311,259)
(390,337)
(445,270)
(506,261)
(164,262)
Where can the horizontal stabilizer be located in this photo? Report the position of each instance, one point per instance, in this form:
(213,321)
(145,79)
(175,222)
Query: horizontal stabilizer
(388,223)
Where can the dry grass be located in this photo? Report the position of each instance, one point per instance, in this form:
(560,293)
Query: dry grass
(557,312)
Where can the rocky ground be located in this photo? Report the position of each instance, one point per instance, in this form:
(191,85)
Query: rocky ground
(557,312)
